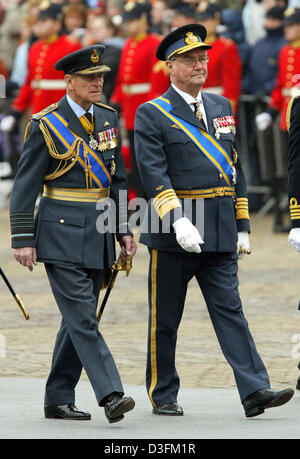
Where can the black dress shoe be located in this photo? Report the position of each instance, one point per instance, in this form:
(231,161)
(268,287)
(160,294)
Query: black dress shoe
(169,409)
(256,403)
(298,384)
(69,412)
(115,407)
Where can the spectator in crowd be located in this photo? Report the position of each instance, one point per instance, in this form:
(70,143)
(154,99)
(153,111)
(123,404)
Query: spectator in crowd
(263,62)
(140,77)
(287,82)
(182,15)
(74,20)
(232,27)
(10,30)
(288,73)
(158,9)
(105,32)
(114,10)
(224,66)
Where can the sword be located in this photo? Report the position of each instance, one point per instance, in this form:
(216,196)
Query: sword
(16,297)
(119,265)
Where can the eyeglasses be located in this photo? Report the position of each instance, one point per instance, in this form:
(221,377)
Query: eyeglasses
(191,61)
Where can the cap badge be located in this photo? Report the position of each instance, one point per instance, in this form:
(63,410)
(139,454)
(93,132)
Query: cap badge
(44,5)
(289,12)
(129,6)
(94,58)
(191,39)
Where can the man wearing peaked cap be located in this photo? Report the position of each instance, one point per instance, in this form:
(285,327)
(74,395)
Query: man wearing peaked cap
(73,149)
(181,40)
(86,61)
(197,223)
(140,75)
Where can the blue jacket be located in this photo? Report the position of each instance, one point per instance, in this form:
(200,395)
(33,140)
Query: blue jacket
(168,161)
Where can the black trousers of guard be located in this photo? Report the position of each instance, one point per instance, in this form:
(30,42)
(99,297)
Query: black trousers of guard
(79,342)
(216,274)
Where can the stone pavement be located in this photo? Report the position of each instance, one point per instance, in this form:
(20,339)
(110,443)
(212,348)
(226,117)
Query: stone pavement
(270,290)
(208,414)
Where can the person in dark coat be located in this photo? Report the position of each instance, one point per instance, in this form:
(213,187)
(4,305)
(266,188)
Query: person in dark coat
(73,148)
(197,223)
(263,62)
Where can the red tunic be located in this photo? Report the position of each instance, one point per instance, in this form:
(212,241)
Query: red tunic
(288,80)
(140,77)
(224,70)
(44,85)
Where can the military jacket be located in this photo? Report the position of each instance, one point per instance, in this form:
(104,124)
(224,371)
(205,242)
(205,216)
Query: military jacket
(293,124)
(66,231)
(169,161)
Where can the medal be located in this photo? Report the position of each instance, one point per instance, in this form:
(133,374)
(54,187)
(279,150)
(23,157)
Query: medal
(93,142)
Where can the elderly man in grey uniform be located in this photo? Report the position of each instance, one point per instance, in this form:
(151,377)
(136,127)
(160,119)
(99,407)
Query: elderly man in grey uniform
(186,155)
(73,147)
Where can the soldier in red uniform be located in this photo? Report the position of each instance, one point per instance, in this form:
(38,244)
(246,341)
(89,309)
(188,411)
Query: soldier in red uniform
(287,85)
(288,77)
(44,85)
(224,66)
(140,77)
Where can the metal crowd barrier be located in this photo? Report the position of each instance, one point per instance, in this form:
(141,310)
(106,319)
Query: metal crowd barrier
(264,156)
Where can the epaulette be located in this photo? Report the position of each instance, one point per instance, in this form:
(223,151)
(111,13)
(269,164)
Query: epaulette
(289,109)
(45,111)
(105,106)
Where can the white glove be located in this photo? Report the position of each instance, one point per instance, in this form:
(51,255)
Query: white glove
(263,121)
(294,238)
(7,123)
(243,244)
(187,235)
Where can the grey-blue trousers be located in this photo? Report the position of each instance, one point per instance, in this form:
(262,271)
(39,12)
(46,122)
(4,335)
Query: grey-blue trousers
(79,342)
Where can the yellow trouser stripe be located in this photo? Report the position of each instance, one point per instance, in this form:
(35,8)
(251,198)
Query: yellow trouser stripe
(153,358)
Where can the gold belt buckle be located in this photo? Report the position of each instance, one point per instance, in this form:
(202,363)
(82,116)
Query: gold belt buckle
(220,192)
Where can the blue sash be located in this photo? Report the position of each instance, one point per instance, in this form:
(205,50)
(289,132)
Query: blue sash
(202,139)
(59,126)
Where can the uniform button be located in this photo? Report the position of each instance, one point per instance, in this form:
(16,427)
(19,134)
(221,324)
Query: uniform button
(291,52)
(61,220)
(220,175)
(290,68)
(131,52)
(129,60)
(289,76)
(127,68)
